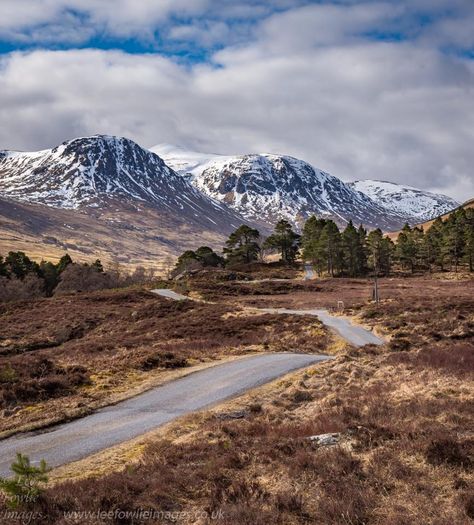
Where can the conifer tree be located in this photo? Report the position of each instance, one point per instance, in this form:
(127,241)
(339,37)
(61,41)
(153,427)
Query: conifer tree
(407,248)
(26,485)
(454,239)
(355,259)
(469,238)
(63,262)
(432,245)
(242,245)
(285,240)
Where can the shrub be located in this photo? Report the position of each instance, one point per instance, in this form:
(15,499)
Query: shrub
(15,289)
(27,483)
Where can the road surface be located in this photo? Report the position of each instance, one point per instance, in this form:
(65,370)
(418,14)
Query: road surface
(169,294)
(308,272)
(128,419)
(354,334)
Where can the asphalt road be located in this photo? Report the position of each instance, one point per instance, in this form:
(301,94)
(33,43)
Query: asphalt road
(128,419)
(169,294)
(354,334)
(308,272)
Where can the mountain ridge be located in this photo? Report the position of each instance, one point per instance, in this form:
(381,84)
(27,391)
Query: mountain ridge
(221,176)
(412,203)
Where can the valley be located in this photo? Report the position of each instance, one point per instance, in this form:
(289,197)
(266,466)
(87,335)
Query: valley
(398,413)
(139,209)
(222,320)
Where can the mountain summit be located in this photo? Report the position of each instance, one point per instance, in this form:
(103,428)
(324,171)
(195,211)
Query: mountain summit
(270,187)
(411,203)
(96,171)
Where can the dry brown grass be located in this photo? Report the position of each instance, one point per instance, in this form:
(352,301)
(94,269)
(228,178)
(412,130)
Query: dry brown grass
(87,346)
(404,413)
(406,451)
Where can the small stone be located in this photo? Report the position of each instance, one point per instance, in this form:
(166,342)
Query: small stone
(325,440)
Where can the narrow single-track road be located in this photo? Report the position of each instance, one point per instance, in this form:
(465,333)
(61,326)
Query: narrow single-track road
(128,419)
(355,334)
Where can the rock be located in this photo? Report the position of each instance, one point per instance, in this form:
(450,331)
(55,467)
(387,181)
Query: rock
(326,440)
(238,414)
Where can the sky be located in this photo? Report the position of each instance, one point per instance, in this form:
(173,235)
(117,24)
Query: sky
(362,89)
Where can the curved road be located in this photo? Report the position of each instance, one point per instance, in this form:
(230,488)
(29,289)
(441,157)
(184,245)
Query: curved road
(133,417)
(308,272)
(169,294)
(355,334)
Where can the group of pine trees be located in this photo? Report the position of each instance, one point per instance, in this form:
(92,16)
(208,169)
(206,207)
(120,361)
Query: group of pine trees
(24,278)
(352,252)
(17,265)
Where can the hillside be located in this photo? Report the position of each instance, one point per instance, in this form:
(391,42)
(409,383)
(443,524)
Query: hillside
(411,203)
(427,224)
(115,234)
(104,196)
(271,187)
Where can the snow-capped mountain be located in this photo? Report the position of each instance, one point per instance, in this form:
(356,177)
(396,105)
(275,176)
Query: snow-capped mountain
(89,172)
(411,203)
(269,187)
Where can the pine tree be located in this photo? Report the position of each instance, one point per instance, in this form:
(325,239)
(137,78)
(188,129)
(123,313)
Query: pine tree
(64,262)
(380,251)
(285,240)
(407,248)
(208,257)
(310,242)
(355,258)
(26,485)
(50,275)
(332,242)
(242,245)
(454,240)
(469,238)
(187,261)
(432,245)
(97,265)
(19,264)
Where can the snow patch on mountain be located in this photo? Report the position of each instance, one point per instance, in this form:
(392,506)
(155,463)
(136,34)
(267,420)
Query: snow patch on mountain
(411,203)
(270,187)
(89,171)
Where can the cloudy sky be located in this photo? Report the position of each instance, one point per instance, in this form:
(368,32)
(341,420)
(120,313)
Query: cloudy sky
(362,89)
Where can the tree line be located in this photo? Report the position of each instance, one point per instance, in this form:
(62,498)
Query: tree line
(351,252)
(23,278)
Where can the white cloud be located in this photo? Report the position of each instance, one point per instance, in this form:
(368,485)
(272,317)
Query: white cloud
(400,111)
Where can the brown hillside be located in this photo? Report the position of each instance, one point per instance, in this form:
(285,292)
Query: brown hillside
(117,233)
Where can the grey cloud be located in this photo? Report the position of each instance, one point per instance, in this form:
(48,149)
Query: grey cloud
(400,111)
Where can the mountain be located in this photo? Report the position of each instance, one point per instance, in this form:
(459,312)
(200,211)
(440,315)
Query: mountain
(269,187)
(408,202)
(89,171)
(106,193)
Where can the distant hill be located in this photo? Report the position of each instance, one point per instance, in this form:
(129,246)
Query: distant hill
(271,187)
(104,197)
(412,204)
(427,224)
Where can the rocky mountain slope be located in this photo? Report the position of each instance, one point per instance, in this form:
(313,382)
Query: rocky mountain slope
(271,187)
(413,204)
(105,194)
